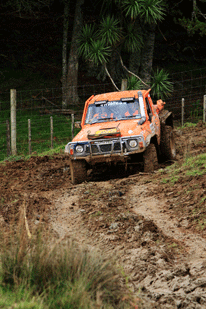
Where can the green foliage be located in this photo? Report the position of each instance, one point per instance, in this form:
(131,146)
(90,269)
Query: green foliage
(191,166)
(86,38)
(161,86)
(99,53)
(131,8)
(134,83)
(109,31)
(193,26)
(150,11)
(133,40)
(96,45)
(196,109)
(189,124)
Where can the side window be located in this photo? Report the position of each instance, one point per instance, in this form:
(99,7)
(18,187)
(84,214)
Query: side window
(149,111)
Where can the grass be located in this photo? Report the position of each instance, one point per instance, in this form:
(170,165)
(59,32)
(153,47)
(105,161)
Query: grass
(40,133)
(189,177)
(192,166)
(41,272)
(187,125)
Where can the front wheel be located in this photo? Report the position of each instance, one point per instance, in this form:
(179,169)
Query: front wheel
(78,171)
(150,159)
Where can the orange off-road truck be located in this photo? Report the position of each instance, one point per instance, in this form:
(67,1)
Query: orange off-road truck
(125,127)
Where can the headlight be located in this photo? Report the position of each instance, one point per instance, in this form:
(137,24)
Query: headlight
(79,148)
(132,143)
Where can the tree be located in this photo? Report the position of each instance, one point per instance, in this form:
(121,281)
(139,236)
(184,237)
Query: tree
(131,30)
(146,14)
(197,22)
(64,53)
(72,67)
(30,7)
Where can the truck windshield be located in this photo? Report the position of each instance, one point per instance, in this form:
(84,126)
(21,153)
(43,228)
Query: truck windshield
(112,111)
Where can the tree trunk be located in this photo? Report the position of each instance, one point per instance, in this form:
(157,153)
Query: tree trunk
(72,74)
(64,52)
(135,57)
(147,54)
(134,62)
(115,67)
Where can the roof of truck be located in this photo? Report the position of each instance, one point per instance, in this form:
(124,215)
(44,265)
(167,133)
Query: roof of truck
(111,96)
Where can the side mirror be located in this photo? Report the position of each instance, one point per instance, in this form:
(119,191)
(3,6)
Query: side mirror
(77,124)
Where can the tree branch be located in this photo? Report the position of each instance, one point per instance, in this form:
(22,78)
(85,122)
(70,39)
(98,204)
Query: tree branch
(105,67)
(132,72)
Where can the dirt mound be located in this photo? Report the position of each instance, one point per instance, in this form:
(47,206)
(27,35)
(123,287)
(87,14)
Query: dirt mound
(25,182)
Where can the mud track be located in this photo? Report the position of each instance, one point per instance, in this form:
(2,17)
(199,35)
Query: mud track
(136,217)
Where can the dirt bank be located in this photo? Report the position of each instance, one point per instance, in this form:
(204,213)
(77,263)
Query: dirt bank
(154,226)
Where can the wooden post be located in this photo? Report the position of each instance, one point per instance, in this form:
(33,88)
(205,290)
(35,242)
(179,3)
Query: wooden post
(13,121)
(124,85)
(72,125)
(29,135)
(204,107)
(8,138)
(183,111)
(51,130)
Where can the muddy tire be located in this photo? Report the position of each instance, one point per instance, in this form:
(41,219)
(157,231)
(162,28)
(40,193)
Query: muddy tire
(150,159)
(78,171)
(168,149)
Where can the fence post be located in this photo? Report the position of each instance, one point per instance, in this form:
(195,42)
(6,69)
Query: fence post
(124,85)
(13,121)
(8,138)
(29,135)
(204,107)
(72,125)
(183,110)
(51,130)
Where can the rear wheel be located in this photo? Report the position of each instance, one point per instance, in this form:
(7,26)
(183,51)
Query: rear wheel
(168,148)
(150,159)
(78,171)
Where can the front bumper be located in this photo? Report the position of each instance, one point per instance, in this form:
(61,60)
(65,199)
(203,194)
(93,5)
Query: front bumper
(99,150)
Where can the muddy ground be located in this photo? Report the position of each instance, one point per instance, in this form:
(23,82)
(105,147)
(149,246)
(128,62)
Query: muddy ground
(156,228)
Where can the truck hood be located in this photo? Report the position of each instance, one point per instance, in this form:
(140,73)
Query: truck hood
(106,130)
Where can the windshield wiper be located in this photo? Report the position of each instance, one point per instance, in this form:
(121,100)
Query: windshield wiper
(131,116)
(101,120)
(107,118)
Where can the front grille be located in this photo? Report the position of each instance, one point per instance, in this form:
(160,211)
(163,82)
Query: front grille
(106,148)
(94,149)
(101,147)
(117,146)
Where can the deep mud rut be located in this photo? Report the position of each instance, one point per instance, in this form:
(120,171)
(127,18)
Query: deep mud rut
(165,264)
(134,218)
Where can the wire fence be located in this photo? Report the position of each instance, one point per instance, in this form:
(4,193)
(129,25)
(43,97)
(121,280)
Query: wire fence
(42,119)
(190,86)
